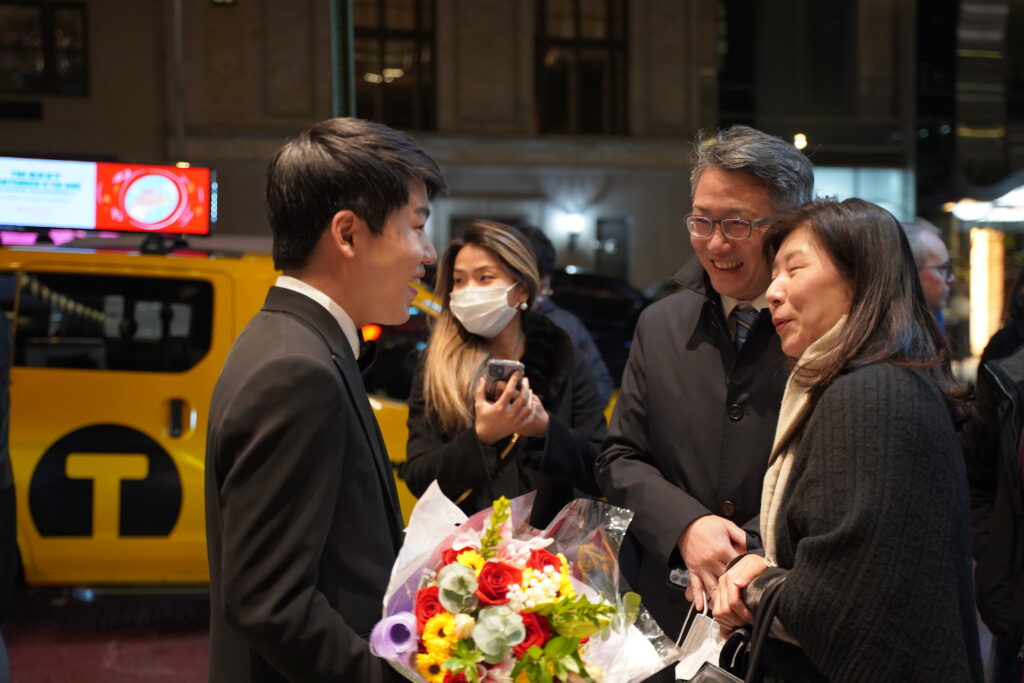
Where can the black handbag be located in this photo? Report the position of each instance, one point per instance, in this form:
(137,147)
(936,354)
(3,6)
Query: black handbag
(742,653)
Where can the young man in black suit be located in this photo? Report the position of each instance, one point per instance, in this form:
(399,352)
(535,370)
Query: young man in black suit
(302,518)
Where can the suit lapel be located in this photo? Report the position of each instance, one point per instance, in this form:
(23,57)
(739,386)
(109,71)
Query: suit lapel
(357,391)
(316,316)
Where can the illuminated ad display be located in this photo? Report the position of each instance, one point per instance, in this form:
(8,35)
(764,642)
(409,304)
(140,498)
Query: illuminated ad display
(81,195)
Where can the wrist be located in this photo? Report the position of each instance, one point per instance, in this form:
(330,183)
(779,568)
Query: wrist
(483,435)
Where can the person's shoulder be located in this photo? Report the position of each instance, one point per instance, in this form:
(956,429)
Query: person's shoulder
(873,374)
(1003,343)
(879,384)
(563,318)
(683,302)
(273,342)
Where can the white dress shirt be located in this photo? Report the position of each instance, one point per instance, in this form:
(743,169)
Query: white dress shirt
(348,327)
(729,303)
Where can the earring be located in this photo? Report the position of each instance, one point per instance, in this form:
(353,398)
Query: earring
(522,305)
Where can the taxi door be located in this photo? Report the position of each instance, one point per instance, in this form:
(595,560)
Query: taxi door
(113,370)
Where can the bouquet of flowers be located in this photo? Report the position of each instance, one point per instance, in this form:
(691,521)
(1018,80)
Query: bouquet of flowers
(498,601)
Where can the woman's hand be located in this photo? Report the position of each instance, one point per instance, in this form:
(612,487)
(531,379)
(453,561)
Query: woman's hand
(506,415)
(729,608)
(536,423)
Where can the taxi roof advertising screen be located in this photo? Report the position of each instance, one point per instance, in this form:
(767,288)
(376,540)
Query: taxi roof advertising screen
(85,195)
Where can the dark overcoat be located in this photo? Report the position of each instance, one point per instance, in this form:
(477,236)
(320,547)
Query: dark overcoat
(692,430)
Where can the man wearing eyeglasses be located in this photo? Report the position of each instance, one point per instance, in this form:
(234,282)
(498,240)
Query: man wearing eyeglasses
(934,268)
(689,441)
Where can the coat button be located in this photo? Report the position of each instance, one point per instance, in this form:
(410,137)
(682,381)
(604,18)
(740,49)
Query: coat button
(735,412)
(728,508)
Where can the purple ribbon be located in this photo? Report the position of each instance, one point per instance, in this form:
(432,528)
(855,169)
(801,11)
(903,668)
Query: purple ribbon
(394,637)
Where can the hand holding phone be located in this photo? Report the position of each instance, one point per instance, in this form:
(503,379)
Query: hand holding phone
(500,371)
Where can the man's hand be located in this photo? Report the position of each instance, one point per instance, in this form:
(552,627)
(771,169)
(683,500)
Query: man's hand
(707,545)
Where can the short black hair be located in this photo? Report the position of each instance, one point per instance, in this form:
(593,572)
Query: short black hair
(542,247)
(337,164)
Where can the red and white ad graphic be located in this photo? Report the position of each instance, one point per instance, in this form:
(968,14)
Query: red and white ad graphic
(44,193)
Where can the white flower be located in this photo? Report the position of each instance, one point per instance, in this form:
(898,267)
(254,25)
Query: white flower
(517,551)
(464,626)
(537,588)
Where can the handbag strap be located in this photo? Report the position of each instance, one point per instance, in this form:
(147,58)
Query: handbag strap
(763,620)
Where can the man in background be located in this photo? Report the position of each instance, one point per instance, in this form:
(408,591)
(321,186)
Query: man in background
(569,322)
(934,267)
(688,444)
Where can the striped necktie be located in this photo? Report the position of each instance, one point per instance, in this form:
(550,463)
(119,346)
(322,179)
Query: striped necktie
(744,317)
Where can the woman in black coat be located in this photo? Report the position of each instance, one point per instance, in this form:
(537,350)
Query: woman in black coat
(864,510)
(544,430)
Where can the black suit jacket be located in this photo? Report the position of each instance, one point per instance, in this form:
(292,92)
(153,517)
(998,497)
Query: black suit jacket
(302,517)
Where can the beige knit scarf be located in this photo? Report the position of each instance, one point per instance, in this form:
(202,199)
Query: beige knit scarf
(796,408)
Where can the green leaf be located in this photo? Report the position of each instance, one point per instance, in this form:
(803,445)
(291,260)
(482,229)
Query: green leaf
(465,649)
(520,665)
(573,663)
(468,669)
(560,646)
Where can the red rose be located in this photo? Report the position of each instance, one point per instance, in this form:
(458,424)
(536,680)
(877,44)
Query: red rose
(427,605)
(460,677)
(494,580)
(538,631)
(540,558)
(450,555)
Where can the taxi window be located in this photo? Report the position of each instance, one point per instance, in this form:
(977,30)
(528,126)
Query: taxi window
(106,322)
(398,352)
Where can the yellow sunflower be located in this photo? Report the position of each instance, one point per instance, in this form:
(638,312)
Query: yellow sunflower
(439,634)
(471,559)
(430,666)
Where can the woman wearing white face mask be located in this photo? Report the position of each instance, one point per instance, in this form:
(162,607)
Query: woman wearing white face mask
(543,436)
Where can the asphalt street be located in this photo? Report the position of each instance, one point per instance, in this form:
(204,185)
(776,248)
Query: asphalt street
(56,636)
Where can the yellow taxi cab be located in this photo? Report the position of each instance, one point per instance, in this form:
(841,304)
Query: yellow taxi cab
(115,356)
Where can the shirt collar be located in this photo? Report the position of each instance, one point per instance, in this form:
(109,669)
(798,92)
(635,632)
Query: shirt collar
(729,303)
(348,327)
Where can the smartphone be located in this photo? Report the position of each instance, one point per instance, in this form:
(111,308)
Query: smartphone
(500,371)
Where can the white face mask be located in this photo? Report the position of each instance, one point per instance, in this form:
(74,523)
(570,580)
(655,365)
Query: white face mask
(483,310)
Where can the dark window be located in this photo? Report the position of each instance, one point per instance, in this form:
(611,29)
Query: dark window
(737,57)
(581,67)
(394,62)
(112,323)
(42,48)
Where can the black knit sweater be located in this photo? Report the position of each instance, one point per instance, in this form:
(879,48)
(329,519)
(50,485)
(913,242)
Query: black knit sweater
(874,531)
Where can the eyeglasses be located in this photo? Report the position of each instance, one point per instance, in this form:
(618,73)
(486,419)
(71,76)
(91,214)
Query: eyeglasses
(943,269)
(735,229)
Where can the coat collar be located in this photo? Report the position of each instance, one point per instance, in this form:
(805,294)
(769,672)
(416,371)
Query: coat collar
(313,314)
(547,357)
(692,277)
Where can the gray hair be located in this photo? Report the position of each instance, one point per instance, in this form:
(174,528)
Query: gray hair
(788,173)
(913,230)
